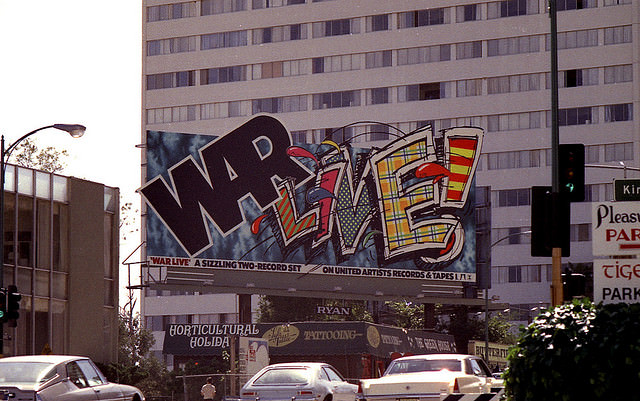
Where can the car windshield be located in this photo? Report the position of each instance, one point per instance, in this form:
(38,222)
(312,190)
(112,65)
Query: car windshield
(423,365)
(283,376)
(26,372)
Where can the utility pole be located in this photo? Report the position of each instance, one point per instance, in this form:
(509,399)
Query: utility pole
(556,252)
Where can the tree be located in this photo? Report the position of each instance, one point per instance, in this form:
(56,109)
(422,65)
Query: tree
(578,351)
(49,159)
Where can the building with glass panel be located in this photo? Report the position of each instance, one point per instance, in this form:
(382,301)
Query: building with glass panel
(61,251)
(209,65)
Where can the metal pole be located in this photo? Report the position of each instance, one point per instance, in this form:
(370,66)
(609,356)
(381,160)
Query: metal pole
(2,236)
(556,252)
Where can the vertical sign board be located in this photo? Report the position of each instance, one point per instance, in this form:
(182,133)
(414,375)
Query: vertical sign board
(252,201)
(616,232)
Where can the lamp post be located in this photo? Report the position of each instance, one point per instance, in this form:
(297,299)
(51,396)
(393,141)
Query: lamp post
(76,131)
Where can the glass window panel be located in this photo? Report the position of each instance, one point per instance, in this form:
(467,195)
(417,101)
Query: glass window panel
(59,320)
(59,188)
(59,286)
(25,181)
(42,283)
(9,229)
(43,227)
(25,231)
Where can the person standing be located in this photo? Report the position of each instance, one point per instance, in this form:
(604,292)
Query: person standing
(208,391)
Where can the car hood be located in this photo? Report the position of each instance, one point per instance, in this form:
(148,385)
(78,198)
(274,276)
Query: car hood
(409,383)
(19,386)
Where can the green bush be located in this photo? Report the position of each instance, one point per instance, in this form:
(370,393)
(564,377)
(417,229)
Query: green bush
(578,352)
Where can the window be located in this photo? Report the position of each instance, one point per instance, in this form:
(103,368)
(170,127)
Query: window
(513,83)
(515,274)
(469,12)
(426,91)
(508,46)
(223,39)
(469,50)
(171,80)
(620,34)
(618,73)
(511,197)
(223,74)
(210,7)
(376,23)
(378,95)
(279,34)
(285,104)
(428,54)
(277,69)
(514,159)
(378,132)
(514,122)
(618,151)
(469,87)
(616,2)
(574,116)
(618,112)
(511,8)
(331,100)
(336,27)
(574,39)
(592,153)
(256,4)
(346,62)
(580,232)
(413,19)
(172,45)
(562,5)
(171,11)
(378,59)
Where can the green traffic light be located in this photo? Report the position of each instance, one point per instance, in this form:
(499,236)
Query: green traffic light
(570,187)
(1,314)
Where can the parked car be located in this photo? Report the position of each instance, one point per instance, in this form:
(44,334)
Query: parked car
(298,381)
(428,377)
(59,378)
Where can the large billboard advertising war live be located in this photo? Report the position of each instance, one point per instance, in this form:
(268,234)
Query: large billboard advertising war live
(252,201)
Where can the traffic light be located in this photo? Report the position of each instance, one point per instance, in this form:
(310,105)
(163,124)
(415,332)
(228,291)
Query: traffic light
(571,170)
(550,222)
(13,305)
(3,305)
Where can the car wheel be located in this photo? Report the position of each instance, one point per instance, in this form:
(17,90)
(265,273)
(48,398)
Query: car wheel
(329,397)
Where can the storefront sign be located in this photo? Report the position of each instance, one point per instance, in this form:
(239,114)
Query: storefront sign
(616,228)
(616,280)
(313,338)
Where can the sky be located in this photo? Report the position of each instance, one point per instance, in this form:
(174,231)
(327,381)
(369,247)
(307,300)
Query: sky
(76,62)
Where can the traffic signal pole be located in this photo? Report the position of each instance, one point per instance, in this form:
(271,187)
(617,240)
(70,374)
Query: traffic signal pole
(556,252)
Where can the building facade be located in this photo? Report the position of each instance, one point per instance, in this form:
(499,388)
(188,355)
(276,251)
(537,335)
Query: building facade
(61,251)
(318,65)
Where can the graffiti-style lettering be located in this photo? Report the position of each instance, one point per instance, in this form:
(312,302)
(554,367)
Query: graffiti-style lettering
(240,164)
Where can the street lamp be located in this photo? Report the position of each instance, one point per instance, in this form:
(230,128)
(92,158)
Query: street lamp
(76,131)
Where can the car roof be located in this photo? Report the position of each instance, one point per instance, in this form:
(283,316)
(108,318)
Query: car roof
(436,356)
(297,365)
(42,358)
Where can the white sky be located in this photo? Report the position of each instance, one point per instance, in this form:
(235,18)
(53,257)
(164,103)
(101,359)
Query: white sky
(79,62)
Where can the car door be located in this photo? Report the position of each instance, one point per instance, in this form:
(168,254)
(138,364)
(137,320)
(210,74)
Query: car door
(104,390)
(482,372)
(342,390)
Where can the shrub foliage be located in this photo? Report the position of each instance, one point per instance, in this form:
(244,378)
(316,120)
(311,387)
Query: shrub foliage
(578,351)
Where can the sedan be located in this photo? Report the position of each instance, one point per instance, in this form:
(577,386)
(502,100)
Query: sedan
(298,381)
(59,378)
(429,377)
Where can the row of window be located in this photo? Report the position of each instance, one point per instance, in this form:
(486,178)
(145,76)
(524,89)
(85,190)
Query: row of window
(469,12)
(159,323)
(533,158)
(474,49)
(522,196)
(522,235)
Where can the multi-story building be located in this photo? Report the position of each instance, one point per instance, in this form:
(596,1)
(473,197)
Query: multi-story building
(318,64)
(61,252)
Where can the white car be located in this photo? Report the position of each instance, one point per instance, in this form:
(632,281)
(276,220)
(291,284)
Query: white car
(429,378)
(308,381)
(59,378)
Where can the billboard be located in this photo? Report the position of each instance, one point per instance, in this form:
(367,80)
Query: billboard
(251,209)
(616,228)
